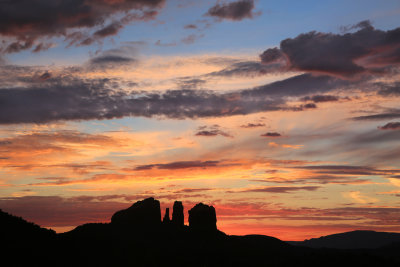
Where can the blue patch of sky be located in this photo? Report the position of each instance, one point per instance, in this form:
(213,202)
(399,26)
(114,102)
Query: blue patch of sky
(279,20)
(138,124)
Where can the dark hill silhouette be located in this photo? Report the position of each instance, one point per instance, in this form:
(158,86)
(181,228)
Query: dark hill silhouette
(23,242)
(13,227)
(137,237)
(352,240)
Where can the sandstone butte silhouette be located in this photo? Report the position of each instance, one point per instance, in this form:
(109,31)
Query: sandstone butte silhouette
(147,214)
(137,236)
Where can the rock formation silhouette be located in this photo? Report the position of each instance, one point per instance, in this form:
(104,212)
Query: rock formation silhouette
(145,213)
(202,217)
(178,217)
(166,219)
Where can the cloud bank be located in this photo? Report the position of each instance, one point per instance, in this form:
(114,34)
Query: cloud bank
(367,50)
(31,23)
(66,98)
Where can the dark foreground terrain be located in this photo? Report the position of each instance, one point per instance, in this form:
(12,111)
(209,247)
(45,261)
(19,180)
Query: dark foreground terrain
(138,237)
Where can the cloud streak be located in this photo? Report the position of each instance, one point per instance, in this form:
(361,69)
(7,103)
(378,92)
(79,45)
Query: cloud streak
(390,126)
(252,125)
(386,115)
(271,134)
(178,165)
(279,189)
(321,98)
(348,170)
(211,131)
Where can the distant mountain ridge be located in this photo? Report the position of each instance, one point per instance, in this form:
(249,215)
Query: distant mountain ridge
(137,236)
(359,239)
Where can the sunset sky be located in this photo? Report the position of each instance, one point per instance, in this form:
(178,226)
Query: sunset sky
(283,115)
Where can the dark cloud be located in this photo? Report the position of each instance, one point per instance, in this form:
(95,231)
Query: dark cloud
(179,165)
(18,46)
(318,179)
(113,58)
(361,25)
(348,170)
(247,69)
(5,142)
(380,116)
(338,54)
(390,126)
(72,99)
(279,189)
(27,21)
(308,106)
(105,59)
(233,11)
(321,98)
(389,89)
(192,190)
(271,134)
(299,85)
(67,98)
(54,180)
(190,26)
(335,179)
(43,47)
(111,29)
(272,55)
(45,76)
(304,107)
(252,125)
(211,131)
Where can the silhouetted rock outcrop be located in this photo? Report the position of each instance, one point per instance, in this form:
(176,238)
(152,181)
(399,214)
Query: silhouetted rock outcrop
(166,216)
(202,217)
(145,213)
(177,214)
